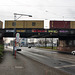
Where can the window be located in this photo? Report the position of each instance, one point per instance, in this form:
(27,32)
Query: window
(13,23)
(33,23)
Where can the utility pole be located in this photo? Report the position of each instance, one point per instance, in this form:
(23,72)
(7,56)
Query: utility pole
(15,18)
(14,33)
(45,42)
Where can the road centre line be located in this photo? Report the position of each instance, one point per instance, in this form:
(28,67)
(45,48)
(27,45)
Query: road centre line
(65,66)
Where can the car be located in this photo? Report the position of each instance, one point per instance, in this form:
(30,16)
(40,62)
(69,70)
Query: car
(73,52)
(18,49)
(29,46)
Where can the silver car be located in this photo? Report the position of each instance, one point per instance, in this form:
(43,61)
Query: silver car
(73,52)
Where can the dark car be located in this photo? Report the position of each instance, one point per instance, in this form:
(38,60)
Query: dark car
(29,46)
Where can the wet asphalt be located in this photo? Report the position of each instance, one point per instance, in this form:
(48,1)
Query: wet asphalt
(64,62)
(24,65)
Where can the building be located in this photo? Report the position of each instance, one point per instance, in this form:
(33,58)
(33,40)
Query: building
(23,42)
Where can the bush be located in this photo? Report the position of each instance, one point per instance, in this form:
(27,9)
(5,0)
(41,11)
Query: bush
(1,54)
(1,50)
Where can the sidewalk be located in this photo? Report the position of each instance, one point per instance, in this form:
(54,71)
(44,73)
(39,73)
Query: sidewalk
(10,65)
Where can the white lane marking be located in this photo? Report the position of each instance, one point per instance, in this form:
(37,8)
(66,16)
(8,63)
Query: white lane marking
(70,60)
(19,67)
(65,66)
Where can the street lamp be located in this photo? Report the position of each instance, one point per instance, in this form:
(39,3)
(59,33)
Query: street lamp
(16,18)
(20,15)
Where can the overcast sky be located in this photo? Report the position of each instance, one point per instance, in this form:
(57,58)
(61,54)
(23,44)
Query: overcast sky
(39,9)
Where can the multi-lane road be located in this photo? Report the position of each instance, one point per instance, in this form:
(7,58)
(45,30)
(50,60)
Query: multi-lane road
(64,62)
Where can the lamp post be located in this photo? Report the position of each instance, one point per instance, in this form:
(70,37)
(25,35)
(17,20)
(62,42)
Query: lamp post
(16,18)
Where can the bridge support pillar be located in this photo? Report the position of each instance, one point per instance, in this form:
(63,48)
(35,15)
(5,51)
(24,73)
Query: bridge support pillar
(66,45)
(1,41)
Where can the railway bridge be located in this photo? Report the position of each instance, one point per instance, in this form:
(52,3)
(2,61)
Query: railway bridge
(66,37)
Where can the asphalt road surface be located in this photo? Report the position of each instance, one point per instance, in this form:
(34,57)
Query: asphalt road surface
(64,62)
(23,65)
